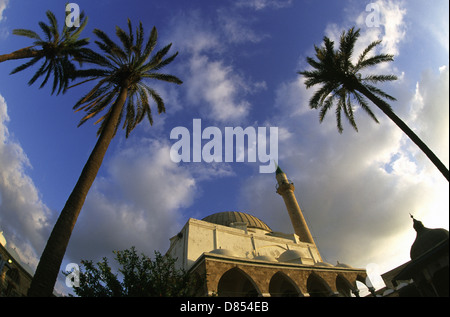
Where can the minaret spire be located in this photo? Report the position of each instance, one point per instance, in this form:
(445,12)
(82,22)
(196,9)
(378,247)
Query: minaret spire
(286,188)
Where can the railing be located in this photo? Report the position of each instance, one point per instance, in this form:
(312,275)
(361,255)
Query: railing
(288,182)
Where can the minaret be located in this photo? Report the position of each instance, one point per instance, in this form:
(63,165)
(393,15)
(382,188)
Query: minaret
(286,189)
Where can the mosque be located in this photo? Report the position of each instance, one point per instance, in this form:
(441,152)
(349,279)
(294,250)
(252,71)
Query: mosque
(237,254)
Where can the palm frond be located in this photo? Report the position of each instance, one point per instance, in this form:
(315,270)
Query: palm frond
(163,77)
(57,50)
(53,25)
(108,45)
(379,93)
(340,81)
(126,40)
(372,61)
(165,62)
(338,116)
(156,60)
(328,103)
(347,44)
(74,32)
(348,110)
(379,78)
(26,65)
(27,33)
(125,66)
(47,31)
(362,102)
(157,98)
(366,51)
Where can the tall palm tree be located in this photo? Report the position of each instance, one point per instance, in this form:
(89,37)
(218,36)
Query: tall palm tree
(344,85)
(121,94)
(57,50)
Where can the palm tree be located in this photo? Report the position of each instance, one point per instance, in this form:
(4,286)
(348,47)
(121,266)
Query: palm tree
(122,94)
(344,85)
(56,50)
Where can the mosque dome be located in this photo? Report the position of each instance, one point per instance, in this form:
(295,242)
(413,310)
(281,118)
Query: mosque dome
(223,252)
(426,239)
(325,264)
(226,218)
(265,258)
(343,265)
(291,256)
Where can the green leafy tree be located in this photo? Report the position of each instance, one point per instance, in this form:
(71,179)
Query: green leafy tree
(138,276)
(121,94)
(56,50)
(343,85)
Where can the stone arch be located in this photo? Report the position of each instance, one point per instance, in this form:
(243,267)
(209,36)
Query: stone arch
(236,282)
(343,286)
(317,286)
(361,278)
(362,281)
(282,285)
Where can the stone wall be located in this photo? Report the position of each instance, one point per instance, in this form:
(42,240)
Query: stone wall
(333,281)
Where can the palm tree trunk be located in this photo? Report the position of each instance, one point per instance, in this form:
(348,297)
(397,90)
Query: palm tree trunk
(386,109)
(50,262)
(26,52)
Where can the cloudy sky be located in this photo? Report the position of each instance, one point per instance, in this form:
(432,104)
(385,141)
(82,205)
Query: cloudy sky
(239,62)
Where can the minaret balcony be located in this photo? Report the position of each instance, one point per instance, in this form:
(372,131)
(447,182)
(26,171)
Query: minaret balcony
(284,185)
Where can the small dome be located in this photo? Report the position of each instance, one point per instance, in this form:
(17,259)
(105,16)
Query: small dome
(226,218)
(343,265)
(290,256)
(223,252)
(264,258)
(325,264)
(426,239)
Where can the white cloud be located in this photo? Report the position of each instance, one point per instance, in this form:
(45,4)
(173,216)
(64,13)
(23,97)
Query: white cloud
(3,5)
(263,4)
(430,111)
(392,22)
(390,26)
(136,203)
(193,33)
(292,94)
(237,28)
(24,218)
(357,189)
(211,83)
(219,87)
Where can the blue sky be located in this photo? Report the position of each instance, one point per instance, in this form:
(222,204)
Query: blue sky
(238,60)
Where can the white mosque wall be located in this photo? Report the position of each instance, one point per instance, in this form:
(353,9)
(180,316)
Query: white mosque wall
(198,237)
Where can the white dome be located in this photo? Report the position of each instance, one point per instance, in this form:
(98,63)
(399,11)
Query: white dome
(227,218)
(265,258)
(223,252)
(323,264)
(291,256)
(343,265)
